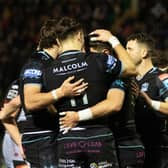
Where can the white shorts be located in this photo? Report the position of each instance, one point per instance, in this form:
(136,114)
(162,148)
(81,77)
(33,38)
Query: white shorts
(10,151)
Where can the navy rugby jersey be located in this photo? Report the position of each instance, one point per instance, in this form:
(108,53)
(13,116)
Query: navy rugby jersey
(32,71)
(123,122)
(12,92)
(98,70)
(151,124)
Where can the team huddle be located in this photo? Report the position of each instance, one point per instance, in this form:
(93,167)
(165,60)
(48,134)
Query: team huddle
(84,101)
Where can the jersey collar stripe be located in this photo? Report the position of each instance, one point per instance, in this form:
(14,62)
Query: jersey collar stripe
(69,53)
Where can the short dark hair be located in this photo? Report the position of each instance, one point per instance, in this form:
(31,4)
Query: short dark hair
(48,34)
(100,45)
(67,27)
(143,38)
(146,39)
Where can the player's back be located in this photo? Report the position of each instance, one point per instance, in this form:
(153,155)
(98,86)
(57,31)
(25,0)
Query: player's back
(92,67)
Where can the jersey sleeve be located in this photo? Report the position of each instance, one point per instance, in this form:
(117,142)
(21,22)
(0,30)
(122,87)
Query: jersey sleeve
(163,86)
(12,91)
(118,84)
(113,65)
(32,73)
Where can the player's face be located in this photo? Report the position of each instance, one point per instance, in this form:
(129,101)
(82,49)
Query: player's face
(82,40)
(134,51)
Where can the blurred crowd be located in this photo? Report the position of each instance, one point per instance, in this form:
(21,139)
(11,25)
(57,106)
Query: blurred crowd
(20,22)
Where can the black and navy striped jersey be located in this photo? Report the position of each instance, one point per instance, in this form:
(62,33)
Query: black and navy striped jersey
(12,91)
(123,122)
(31,73)
(151,124)
(98,70)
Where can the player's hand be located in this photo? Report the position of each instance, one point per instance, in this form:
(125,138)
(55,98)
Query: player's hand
(135,89)
(51,108)
(73,89)
(102,35)
(10,108)
(146,97)
(68,119)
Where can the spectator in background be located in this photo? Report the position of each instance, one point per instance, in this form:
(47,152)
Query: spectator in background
(20,36)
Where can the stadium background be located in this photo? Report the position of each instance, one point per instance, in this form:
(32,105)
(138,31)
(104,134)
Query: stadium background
(20,22)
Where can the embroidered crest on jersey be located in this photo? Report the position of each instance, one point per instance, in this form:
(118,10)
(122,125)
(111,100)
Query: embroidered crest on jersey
(32,73)
(144,87)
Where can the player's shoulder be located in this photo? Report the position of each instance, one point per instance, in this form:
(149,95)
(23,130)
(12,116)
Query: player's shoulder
(14,85)
(119,83)
(36,60)
(15,82)
(163,76)
(95,54)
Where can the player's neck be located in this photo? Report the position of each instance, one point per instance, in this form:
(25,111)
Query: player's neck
(53,52)
(144,67)
(70,46)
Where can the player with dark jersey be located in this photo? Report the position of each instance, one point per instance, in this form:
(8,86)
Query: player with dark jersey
(88,144)
(129,146)
(93,69)
(153,130)
(39,127)
(11,147)
(151,117)
(130,149)
(41,124)
(31,74)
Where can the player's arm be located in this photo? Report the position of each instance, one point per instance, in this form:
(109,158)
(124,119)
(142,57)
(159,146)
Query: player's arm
(11,127)
(10,107)
(112,103)
(128,67)
(161,106)
(155,104)
(35,99)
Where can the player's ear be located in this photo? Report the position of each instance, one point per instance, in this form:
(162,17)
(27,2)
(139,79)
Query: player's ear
(58,42)
(144,52)
(80,36)
(59,45)
(106,51)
